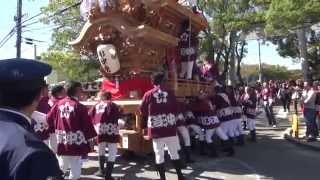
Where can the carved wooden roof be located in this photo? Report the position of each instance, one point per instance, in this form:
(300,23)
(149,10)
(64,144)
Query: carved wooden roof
(171,6)
(156,20)
(141,30)
(93,29)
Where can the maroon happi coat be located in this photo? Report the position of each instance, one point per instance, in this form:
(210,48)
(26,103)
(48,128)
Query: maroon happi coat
(53,101)
(44,106)
(181,118)
(40,126)
(160,107)
(71,123)
(249,103)
(205,114)
(188,46)
(266,94)
(105,117)
(223,107)
(235,106)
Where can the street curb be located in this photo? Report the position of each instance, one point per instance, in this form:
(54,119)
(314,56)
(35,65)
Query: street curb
(300,143)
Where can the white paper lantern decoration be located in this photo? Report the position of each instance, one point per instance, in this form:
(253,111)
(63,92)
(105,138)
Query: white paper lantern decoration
(108,58)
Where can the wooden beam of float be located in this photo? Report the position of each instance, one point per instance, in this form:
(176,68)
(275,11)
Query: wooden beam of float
(140,47)
(171,7)
(122,25)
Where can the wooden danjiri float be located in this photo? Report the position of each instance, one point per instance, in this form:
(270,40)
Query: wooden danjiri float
(132,39)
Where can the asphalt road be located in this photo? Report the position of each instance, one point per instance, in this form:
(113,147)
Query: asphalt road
(271,157)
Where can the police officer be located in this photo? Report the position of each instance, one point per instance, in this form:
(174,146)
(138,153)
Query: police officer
(23,156)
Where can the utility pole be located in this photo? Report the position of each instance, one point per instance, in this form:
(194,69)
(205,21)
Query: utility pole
(31,41)
(19,27)
(260,64)
(35,51)
(303,53)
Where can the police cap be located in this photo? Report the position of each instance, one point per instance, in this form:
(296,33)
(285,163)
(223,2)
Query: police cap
(22,74)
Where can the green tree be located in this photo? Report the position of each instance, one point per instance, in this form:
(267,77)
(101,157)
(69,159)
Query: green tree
(65,15)
(70,65)
(288,48)
(270,72)
(294,16)
(230,21)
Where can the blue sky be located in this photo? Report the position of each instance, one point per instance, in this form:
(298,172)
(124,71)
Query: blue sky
(42,32)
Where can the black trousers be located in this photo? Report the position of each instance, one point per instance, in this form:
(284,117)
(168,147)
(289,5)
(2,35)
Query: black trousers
(269,113)
(286,104)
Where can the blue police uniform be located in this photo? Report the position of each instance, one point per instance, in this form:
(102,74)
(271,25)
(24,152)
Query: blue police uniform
(23,156)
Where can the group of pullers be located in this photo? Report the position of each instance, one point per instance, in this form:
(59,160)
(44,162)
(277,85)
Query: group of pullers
(72,130)
(222,113)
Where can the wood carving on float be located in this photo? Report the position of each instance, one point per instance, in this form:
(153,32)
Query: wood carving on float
(133,38)
(140,36)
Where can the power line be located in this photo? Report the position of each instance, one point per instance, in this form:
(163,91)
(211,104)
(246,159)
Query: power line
(26,25)
(1,45)
(39,14)
(54,14)
(6,40)
(6,36)
(33,40)
(11,33)
(70,7)
(39,29)
(21,25)
(51,16)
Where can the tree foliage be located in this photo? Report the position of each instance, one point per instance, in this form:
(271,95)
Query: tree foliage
(285,15)
(287,46)
(230,21)
(292,20)
(68,24)
(270,72)
(70,65)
